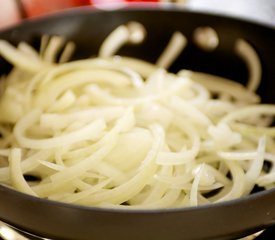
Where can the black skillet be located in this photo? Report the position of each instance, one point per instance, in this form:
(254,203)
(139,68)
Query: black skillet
(88,27)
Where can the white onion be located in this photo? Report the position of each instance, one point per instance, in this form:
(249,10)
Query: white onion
(116,131)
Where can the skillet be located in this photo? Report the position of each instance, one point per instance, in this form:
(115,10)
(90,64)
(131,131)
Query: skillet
(88,27)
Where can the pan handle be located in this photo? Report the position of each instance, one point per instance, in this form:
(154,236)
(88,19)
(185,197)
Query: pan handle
(267,234)
(9,233)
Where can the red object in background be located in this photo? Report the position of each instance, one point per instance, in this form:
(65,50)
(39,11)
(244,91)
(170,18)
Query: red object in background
(142,0)
(33,8)
(12,11)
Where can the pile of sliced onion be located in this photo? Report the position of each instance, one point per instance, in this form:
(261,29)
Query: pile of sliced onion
(115,131)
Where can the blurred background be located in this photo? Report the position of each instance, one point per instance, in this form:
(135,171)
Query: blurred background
(14,11)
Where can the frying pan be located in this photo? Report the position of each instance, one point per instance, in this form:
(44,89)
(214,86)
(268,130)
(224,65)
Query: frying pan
(88,27)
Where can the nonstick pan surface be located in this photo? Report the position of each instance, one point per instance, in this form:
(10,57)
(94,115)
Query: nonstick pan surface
(87,28)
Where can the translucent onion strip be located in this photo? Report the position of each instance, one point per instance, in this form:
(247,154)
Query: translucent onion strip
(133,32)
(16,173)
(19,58)
(217,84)
(251,58)
(91,131)
(172,51)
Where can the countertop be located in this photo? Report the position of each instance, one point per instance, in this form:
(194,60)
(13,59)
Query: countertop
(258,10)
